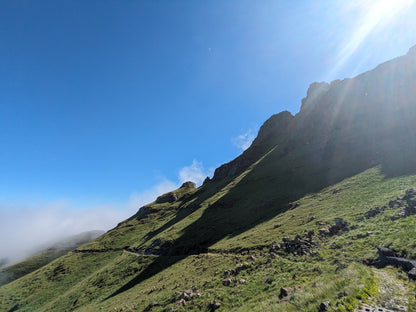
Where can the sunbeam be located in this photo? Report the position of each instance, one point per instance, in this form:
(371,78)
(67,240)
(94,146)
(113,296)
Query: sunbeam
(372,15)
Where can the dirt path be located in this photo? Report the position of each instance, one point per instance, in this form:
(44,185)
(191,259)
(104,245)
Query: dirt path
(393,295)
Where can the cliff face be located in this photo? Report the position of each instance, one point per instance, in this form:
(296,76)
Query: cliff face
(351,124)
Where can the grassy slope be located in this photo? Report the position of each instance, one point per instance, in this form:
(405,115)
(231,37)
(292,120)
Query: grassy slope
(117,280)
(43,257)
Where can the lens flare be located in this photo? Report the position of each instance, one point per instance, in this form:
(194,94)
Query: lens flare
(373,15)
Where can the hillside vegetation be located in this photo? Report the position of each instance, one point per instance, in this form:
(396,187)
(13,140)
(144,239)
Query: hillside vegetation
(240,272)
(40,258)
(292,224)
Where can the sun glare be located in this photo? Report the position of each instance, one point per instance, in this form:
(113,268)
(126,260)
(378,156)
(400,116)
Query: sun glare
(372,15)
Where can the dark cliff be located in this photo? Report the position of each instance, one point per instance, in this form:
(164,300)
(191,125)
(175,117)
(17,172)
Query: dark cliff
(348,125)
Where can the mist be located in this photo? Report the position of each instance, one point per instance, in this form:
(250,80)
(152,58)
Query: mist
(26,229)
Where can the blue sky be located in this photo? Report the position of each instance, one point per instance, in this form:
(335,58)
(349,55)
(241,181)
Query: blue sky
(105,104)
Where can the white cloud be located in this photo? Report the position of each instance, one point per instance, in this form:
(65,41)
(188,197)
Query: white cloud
(243,141)
(194,172)
(25,228)
(139,199)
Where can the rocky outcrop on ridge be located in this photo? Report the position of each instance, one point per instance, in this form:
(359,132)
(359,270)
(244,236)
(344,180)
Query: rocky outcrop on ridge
(344,127)
(274,131)
(188,184)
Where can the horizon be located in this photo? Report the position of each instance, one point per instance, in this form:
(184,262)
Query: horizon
(106,106)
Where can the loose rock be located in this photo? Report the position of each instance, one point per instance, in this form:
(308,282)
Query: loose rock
(214,305)
(324,306)
(285,291)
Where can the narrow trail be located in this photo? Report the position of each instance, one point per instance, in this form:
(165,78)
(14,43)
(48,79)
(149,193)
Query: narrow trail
(393,295)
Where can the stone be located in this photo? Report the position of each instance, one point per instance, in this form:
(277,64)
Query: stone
(189,294)
(339,222)
(412,274)
(324,306)
(285,291)
(214,305)
(386,252)
(373,212)
(227,282)
(324,231)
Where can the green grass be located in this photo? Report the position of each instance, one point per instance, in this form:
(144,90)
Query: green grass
(45,256)
(118,280)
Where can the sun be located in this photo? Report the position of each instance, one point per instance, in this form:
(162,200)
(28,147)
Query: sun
(372,15)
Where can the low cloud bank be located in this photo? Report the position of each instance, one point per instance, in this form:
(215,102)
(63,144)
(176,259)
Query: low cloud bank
(25,229)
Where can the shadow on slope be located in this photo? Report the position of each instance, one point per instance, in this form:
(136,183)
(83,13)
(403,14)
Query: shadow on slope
(343,128)
(267,189)
(262,193)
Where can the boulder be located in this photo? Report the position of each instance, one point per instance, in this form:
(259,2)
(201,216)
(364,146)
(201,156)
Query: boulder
(324,306)
(214,305)
(340,225)
(285,291)
(375,211)
(189,294)
(412,273)
(385,252)
(324,231)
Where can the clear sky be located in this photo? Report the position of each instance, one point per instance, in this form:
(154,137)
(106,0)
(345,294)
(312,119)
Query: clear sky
(105,104)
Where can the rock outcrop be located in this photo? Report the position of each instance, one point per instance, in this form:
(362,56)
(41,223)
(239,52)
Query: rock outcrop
(300,246)
(344,127)
(274,131)
(167,198)
(188,184)
(387,256)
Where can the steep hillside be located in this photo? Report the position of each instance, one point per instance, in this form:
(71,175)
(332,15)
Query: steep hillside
(301,250)
(45,256)
(292,224)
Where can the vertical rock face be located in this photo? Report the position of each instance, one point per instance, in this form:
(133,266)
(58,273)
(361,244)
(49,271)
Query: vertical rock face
(349,124)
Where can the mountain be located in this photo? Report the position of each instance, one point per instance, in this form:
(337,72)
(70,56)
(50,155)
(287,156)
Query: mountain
(294,223)
(45,256)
